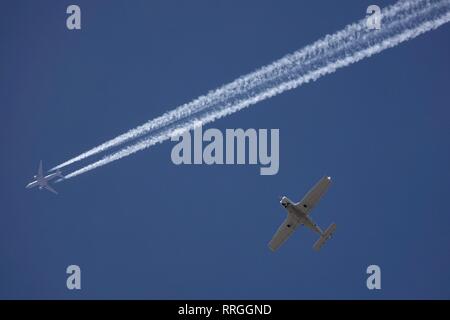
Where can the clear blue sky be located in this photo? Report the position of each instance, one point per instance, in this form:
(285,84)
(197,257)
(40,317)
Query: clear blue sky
(145,228)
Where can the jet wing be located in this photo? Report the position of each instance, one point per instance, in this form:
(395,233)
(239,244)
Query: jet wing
(284,231)
(50,189)
(40,174)
(313,196)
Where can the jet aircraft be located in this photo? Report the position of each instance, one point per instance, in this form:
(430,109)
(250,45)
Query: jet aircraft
(41,181)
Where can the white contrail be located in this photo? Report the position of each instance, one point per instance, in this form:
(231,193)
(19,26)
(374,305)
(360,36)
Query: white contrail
(224,95)
(401,22)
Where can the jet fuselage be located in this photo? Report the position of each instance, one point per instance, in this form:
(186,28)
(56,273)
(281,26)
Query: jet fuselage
(42,181)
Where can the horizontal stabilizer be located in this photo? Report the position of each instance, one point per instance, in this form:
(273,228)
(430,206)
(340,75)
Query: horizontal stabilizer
(324,237)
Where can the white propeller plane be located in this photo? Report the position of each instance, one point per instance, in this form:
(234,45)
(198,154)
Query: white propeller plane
(298,215)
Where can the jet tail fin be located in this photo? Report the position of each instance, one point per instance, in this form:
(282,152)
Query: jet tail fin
(324,237)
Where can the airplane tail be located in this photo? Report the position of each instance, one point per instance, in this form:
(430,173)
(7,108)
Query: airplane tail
(324,237)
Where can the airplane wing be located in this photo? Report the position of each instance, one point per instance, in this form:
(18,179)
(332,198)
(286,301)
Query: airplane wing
(284,231)
(40,174)
(313,196)
(50,189)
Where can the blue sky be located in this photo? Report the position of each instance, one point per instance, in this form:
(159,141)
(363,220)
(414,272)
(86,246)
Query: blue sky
(143,228)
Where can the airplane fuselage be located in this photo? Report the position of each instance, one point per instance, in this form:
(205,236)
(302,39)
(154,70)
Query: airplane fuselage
(300,214)
(42,181)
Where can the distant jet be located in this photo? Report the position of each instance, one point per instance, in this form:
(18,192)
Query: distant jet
(42,182)
(298,215)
